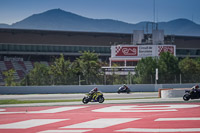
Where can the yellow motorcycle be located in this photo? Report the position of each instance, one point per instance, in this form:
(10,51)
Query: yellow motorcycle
(96,97)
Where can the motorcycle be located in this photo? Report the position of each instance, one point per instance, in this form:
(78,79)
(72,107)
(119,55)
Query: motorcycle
(191,94)
(97,97)
(122,90)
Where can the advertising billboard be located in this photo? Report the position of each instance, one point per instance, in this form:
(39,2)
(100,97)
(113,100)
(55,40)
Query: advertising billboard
(140,51)
(170,49)
(126,51)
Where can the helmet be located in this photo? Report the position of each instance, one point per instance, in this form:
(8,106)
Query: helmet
(196,86)
(124,85)
(95,89)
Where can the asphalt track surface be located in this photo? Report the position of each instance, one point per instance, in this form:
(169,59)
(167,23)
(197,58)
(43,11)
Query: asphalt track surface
(113,116)
(77,96)
(110,98)
(102,118)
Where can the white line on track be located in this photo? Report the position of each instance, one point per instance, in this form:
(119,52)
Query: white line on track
(54,110)
(57,110)
(29,123)
(178,119)
(159,130)
(102,123)
(64,131)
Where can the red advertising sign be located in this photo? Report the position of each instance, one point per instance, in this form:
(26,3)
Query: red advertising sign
(126,51)
(162,49)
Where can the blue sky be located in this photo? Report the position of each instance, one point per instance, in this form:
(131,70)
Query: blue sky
(131,11)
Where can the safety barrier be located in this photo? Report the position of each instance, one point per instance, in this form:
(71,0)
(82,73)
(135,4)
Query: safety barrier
(173,93)
(86,88)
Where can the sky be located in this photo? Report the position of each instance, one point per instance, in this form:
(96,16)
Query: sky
(130,11)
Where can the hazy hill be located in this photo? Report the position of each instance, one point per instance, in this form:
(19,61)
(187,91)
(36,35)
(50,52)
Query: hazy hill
(57,19)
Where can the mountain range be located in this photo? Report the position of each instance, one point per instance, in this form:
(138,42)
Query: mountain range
(57,19)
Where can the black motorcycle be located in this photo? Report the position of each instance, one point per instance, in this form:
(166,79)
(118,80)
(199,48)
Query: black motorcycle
(191,94)
(97,97)
(123,90)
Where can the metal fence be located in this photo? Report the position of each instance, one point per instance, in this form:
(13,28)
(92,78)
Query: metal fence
(150,79)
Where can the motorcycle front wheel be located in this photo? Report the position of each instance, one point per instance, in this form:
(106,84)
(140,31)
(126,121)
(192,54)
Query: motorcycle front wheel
(186,97)
(101,99)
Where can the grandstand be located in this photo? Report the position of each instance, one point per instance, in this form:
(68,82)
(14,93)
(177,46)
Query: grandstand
(20,48)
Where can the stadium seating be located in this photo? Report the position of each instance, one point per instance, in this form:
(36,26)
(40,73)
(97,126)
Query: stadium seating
(53,49)
(21,68)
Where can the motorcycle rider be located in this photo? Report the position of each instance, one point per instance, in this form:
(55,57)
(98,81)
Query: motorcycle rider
(124,87)
(193,93)
(92,92)
(195,88)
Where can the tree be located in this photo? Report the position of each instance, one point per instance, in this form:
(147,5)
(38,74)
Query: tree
(190,70)
(145,70)
(39,75)
(89,67)
(9,80)
(168,68)
(77,72)
(60,71)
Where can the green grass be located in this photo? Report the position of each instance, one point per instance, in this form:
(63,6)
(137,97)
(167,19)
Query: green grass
(132,98)
(13,101)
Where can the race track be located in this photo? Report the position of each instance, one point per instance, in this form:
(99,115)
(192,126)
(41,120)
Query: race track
(77,96)
(102,118)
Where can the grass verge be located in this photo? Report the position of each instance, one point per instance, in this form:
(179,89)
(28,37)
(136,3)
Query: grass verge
(13,101)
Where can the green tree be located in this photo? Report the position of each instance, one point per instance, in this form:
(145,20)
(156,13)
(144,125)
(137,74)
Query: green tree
(145,70)
(190,70)
(89,67)
(9,80)
(39,75)
(77,72)
(168,68)
(60,71)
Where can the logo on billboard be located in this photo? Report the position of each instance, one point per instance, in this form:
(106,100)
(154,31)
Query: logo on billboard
(127,51)
(162,49)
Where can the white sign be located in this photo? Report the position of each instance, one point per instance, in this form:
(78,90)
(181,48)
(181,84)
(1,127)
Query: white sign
(145,51)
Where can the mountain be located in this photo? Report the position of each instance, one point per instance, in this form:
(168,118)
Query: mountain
(57,19)
(4,26)
(181,27)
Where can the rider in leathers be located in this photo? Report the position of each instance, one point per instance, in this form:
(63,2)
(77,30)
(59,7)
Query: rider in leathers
(195,89)
(92,92)
(124,87)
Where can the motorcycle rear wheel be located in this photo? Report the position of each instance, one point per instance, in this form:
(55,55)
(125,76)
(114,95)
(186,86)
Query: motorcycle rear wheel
(186,97)
(85,100)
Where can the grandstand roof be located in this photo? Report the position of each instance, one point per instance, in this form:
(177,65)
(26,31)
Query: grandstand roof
(25,36)
(22,36)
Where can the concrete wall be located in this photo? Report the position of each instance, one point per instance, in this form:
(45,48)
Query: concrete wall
(86,88)
(173,93)
(69,89)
